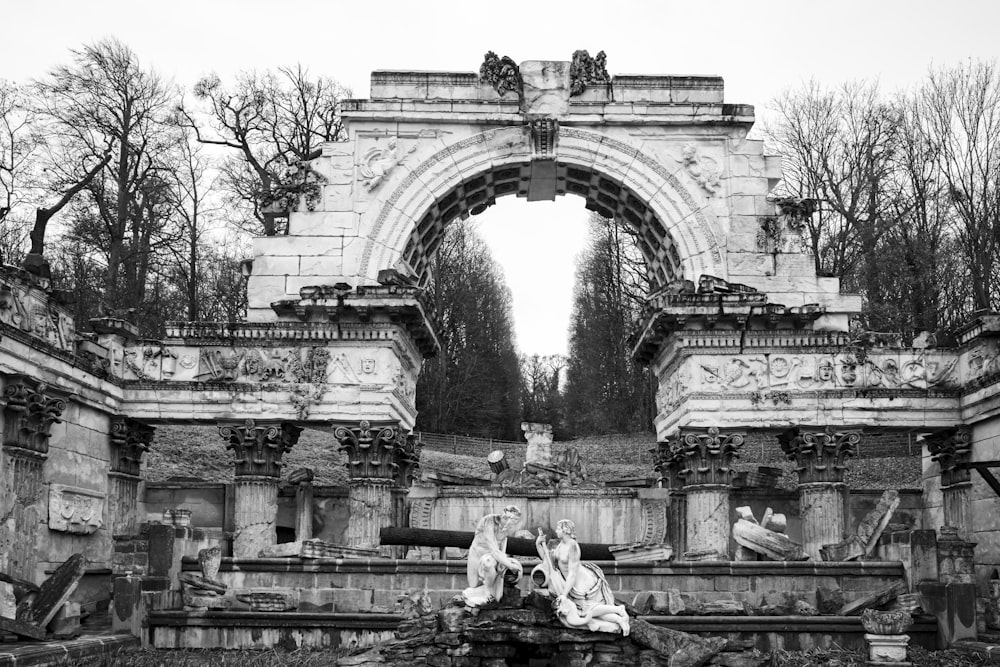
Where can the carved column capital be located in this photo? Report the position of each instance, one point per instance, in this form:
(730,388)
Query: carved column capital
(130,439)
(819,455)
(30,408)
(378,451)
(951,448)
(706,455)
(258,446)
(668,461)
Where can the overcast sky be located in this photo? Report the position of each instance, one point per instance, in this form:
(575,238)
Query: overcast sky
(759,48)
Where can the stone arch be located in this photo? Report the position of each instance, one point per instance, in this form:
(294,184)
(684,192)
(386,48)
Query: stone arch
(680,236)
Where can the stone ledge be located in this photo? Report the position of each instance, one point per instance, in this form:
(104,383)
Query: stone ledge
(259,619)
(65,652)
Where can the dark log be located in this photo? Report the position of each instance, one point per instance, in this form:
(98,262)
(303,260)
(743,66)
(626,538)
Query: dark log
(426,537)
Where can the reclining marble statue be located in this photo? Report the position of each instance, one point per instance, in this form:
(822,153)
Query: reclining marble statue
(489,563)
(583,596)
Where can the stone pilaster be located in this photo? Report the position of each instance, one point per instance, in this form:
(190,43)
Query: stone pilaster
(819,457)
(379,460)
(705,456)
(952,450)
(668,462)
(257,448)
(130,439)
(30,409)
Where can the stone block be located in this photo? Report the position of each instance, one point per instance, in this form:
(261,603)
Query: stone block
(66,623)
(264,290)
(322,265)
(275,266)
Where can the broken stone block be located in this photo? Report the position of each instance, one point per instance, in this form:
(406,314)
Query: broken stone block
(777,603)
(766,542)
(196,601)
(803,608)
(724,608)
(200,583)
(849,549)
(679,648)
(8,603)
(209,560)
(667,602)
(283,550)
(66,623)
(873,600)
(874,523)
(39,609)
(320,549)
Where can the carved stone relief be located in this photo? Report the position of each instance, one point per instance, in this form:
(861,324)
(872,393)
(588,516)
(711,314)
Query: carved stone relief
(74,510)
(377,163)
(34,311)
(704,170)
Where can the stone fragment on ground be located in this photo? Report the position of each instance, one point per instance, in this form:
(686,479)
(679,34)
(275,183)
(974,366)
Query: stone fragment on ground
(772,544)
(873,600)
(40,608)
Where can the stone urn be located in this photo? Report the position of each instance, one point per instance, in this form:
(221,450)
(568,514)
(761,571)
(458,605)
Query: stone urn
(886,622)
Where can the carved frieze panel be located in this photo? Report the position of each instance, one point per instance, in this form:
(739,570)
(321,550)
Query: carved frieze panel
(258,446)
(378,162)
(75,510)
(26,306)
(31,407)
(130,439)
(704,170)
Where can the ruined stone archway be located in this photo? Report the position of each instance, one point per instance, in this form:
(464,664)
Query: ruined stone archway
(677,236)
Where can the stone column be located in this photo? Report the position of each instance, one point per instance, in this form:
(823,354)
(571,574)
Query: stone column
(30,409)
(706,473)
(952,450)
(379,459)
(257,448)
(130,439)
(820,457)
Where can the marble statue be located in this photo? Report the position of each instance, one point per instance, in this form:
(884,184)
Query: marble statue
(489,564)
(583,596)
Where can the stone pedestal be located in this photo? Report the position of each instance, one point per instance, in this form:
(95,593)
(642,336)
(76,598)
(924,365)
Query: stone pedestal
(707,519)
(820,458)
(887,648)
(257,448)
(821,507)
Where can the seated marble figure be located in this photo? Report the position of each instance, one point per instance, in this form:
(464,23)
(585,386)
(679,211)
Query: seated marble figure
(583,596)
(489,565)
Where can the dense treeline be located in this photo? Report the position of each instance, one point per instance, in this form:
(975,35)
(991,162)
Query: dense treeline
(141,202)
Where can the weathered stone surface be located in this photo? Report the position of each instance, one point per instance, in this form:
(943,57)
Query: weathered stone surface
(200,583)
(283,550)
(546,88)
(680,648)
(192,599)
(829,600)
(667,602)
(8,603)
(269,599)
(66,623)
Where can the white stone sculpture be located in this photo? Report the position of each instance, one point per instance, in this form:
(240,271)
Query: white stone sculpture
(489,564)
(583,596)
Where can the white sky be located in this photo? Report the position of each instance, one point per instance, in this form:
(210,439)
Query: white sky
(759,47)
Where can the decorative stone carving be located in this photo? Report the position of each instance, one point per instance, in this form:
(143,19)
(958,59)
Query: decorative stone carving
(704,170)
(30,410)
(74,510)
(130,439)
(501,73)
(951,449)
(544,135)
(707,455)
(585,71)
(258,447)
(819,455)
(373,450)
(28,305)
(377,163)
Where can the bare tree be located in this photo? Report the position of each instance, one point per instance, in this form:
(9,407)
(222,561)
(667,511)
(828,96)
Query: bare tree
(106,103)
(958,110)
(837,147)
(19,144)
(275,121)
